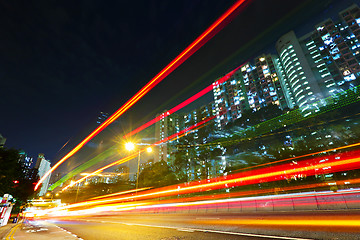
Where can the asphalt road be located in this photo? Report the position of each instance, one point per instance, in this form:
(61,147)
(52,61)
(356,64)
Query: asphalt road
(305,225)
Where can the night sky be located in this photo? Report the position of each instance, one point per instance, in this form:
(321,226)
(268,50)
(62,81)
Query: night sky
(62,62)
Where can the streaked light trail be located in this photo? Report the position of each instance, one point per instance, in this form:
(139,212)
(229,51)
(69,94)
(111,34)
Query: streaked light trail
(315,166)
(183,56)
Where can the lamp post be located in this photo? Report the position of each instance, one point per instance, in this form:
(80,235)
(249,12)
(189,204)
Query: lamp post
(130,147)
(77,192)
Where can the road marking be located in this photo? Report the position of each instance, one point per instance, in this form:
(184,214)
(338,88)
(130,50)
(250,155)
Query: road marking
(185,230)
(254,235)
(208,230)
(11,234)
(205,218)
(63,229)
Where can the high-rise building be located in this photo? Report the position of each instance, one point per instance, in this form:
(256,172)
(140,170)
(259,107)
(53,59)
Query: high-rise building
(164,128)
(2,141)
(173,124)
(299,75)
(124,171)
(102,117)
(270,89)
(250,88)
(26,163)
(43,166)
(323,62)
(288,94)
(232,97)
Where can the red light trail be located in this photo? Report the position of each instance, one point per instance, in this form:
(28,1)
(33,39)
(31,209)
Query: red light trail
(219,24)
(302,156)
(310,167)
(183,104)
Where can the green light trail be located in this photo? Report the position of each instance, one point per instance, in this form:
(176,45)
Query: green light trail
(108,153)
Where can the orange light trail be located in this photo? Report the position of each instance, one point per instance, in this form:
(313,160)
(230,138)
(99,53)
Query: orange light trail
(180,204)
(286,171)
(302,156)
(219,24)
(119,193)
(289,222)
(187,200)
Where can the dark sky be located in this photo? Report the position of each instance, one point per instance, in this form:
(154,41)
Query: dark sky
(62,62)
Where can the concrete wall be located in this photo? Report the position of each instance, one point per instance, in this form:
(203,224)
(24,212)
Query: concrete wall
(288,202)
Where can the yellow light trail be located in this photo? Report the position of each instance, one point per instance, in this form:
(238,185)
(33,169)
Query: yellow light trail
(188,189)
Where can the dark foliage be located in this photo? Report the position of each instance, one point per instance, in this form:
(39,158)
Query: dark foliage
(12,178)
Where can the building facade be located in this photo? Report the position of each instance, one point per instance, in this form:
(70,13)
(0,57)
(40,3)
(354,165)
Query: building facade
(43,166)
(26,163)
(166,127)
(2,141)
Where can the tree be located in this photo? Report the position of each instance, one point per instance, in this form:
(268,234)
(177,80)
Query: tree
(181,165)
(12,177)
(158,174)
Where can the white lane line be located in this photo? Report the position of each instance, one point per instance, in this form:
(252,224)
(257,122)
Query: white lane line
(63,229)
(208,230)
(254,235)
(185,230)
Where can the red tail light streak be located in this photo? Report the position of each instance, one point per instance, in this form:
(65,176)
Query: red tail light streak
(219,24)
(310,167)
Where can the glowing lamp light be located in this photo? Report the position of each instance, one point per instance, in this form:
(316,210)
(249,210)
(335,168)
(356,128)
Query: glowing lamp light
(72,182)
(149,149)
(129,146)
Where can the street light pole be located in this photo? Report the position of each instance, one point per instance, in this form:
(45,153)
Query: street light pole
(130,147)
(137,174)
(77,192)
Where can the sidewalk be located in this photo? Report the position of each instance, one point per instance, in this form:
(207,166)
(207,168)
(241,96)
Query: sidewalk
(42,230)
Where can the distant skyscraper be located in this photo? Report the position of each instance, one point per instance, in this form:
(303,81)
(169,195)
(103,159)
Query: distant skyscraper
(26,163)
(165,127)
(2,141)
(43,166)
(102,117)
(124,173)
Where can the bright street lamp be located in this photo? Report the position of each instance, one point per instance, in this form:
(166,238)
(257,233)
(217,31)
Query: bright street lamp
(130,147)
